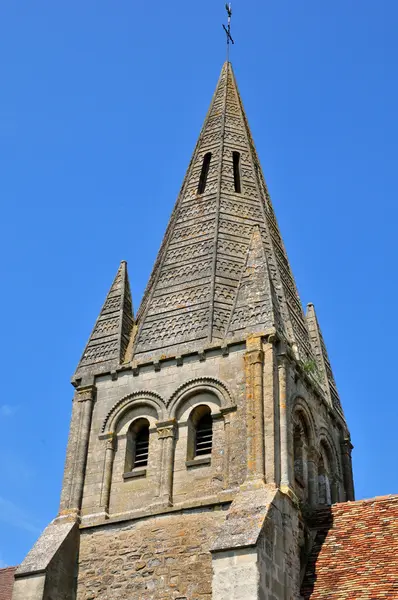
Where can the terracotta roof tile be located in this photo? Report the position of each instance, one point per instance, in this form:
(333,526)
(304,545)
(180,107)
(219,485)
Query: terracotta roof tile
(355,552)
(6,582)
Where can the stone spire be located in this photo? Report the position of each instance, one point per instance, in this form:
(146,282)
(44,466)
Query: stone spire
(193,288)
(322,359)
(109,339)
(256,306)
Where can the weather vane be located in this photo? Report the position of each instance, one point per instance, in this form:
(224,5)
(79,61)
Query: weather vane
(228,29)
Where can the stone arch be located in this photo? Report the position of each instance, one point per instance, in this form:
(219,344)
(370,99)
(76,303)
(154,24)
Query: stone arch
(204,386)
(154,402)
(303,432)
(329,470)
(301,409)
(326,439)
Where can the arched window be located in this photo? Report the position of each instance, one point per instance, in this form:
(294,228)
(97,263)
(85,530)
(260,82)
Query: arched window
(200,436)
(137,450)
(325,477)
(300,448)
(236,162)
(204,173)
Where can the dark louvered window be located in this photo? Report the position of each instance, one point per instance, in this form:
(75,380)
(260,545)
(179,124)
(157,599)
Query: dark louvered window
(141,447)
(204,436)
(204,173)
(236,161)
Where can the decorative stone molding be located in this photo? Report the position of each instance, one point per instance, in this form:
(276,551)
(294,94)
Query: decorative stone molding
(196,386)
(135,399)
(82,394)
(166,429)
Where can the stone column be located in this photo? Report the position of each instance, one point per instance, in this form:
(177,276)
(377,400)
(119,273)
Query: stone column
(283,420)
(346,449)
(271,413)
(76,457)
(227,441)
(107,476)
(313,460)
(167,435)
(254,365)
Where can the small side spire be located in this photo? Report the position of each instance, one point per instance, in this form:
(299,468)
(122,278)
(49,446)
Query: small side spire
(322,358)
(256,305)
(109,339)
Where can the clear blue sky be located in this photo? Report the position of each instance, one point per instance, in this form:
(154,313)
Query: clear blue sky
(100,108)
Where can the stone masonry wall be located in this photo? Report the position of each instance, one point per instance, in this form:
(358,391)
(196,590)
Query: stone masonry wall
(229,451)
(163,558)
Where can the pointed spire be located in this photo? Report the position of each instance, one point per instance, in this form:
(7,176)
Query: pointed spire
(322,359)
(256,306)
(109,339)
(193,287)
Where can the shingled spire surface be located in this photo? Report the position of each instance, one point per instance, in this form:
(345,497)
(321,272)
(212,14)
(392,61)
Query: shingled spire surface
(256,306)
(193,288)
(322,358)
(109,339)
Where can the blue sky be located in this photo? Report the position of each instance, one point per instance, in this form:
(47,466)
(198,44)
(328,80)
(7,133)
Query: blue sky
(100,109)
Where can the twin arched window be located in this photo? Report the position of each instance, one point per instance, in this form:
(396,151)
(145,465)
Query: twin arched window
(200,440)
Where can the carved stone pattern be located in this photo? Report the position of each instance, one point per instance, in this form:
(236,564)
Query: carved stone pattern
(177,329)
(235,138)
(180,299)
(242,210)
(235,122)
(220,321)
(301,335)
(224,293)
(231,247)
(229,269)
(187,252)
(209,140)
(166,432)
(100,353)
(234,228)
(120,405)
(199,209)
(196,229)
(201,382)
(106,327)
(246,316)
(250,191)
(185,272)
(112,304)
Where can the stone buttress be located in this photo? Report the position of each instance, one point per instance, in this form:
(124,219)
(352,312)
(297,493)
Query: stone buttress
(207,427)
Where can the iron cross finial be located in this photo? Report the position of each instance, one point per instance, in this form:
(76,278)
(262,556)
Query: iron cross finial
(228,29)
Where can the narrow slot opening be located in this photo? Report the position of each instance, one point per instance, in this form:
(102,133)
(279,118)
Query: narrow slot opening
(141,448)
(204,173)
(204,435)
(236,161)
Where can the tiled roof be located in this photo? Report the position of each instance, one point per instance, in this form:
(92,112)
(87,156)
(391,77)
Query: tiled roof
(355,552)
(6,582)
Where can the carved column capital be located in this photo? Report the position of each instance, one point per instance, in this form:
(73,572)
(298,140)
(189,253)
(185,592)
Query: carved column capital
(253,357)
(82,394)
(167,429)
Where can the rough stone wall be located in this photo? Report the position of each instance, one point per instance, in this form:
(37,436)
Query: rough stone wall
(279,554)
(162,558)
(236,575)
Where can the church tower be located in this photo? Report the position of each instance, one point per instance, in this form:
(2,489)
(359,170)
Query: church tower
(206,427)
